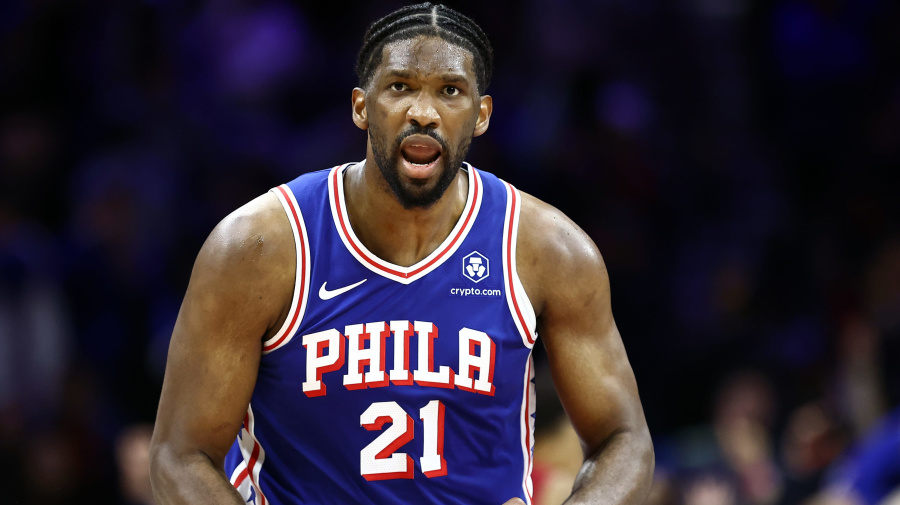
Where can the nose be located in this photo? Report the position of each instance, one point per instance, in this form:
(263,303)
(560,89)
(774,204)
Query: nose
(423,112)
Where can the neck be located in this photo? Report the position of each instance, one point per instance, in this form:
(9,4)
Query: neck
(393,233)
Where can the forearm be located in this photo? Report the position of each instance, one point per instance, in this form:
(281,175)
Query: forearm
(189,479)
(619,472)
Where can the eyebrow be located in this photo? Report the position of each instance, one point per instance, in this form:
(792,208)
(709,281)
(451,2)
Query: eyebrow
(406,74)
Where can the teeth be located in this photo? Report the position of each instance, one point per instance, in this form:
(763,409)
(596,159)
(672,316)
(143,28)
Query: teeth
(417,164)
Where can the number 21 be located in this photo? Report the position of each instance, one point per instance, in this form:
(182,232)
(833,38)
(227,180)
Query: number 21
(379,461)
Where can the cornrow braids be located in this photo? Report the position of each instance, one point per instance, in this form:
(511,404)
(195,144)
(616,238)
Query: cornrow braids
(426,19)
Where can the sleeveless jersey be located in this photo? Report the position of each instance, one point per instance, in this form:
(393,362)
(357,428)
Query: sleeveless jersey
(390,384)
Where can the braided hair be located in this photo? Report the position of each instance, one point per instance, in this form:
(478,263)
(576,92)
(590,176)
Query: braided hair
(426,19)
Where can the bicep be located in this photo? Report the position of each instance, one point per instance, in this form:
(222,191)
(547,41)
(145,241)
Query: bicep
(210,375)
(588,361)
(215,349)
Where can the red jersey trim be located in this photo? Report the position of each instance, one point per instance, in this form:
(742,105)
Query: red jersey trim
(254,455)
(516,297)
(403,275)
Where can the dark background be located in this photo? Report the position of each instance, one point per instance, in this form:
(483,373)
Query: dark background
(733,160)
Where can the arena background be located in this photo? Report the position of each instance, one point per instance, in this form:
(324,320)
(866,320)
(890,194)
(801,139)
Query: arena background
(732,159)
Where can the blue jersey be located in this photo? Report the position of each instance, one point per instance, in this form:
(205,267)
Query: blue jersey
(393,384)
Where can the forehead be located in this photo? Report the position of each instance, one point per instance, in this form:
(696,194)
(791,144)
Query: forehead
(425,55)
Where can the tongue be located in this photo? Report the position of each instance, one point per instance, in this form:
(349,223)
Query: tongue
(420,155)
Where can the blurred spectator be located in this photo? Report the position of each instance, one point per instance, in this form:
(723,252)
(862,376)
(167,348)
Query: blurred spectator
(133,461)
(869,474)
(811,441)
(709,489)
(51,469)
(743,424)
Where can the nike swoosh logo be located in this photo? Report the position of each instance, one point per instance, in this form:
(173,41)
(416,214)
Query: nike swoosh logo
(326,294)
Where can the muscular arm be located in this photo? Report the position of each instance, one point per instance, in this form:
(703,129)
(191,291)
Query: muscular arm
(588,363)
(239,293)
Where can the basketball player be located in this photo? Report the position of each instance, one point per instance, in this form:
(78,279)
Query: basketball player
(363,334)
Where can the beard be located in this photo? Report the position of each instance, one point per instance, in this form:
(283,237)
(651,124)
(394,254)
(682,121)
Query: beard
(416,194)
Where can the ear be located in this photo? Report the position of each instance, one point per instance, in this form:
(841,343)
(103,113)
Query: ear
(484,115)
(360,116)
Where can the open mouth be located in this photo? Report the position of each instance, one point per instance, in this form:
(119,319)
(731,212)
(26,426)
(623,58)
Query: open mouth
(420,150)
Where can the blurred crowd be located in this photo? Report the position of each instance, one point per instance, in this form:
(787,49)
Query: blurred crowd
(732,159)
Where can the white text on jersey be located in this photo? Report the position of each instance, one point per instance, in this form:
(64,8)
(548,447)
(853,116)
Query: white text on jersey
(326,351)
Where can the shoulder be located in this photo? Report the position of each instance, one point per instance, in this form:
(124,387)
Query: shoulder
(249,259)
(255,229)
(555,258)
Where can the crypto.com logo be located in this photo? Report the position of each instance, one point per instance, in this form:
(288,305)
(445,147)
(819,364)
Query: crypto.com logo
(476,267)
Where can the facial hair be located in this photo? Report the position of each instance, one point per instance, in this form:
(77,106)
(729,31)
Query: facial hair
(416,195)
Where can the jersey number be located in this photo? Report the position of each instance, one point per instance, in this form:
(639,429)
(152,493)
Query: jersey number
(379,460)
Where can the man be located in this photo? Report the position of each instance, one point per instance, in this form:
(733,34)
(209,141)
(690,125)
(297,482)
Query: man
(363,334)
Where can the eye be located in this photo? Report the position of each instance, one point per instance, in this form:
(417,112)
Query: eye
(451,90)
(399,86)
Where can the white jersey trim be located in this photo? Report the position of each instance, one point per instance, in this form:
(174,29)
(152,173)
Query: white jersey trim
(403,275)
(526,427)
(519,305)
(246,477)
(301,282)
